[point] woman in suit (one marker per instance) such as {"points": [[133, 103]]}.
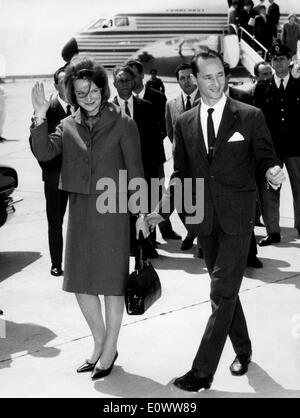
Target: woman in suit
{"points": [[96, 142]]}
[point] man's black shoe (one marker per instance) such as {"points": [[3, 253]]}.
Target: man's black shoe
{"points": [[171, 235], [56, 271], [254, 262], [193, 383], [270, 239], [2, 139], [187, 243], [239, 366], [1, 312]]}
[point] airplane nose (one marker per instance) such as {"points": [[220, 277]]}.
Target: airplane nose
{"points": [[70, 49]]}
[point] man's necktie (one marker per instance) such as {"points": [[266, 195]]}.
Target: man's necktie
{"points": [[211, 138], [68, 112], [127, 111], [281, 88], [188, 104]]}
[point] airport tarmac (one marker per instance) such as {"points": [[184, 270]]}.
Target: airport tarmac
{"points": [[47, 338]]}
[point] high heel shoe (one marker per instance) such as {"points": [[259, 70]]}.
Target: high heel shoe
{"points": [[98, 373], [86, 367]]}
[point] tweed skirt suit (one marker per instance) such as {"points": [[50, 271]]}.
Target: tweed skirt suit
{"points": [[97, 244]]}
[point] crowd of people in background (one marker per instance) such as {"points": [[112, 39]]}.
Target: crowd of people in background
{"points": [[261, 22]]}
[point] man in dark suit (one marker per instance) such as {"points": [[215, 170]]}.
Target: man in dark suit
{"points": [[158, 100], [274, 16], [279, 99], [221, 141], [245, 97], [56, 199], [141, 111]]}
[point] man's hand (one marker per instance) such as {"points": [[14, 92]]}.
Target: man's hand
{"points": [[275, 175], [154, 219], [142, 226]]}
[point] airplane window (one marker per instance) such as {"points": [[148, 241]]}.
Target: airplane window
{"points": [[121, 21], [97, 25], [107, 23]]}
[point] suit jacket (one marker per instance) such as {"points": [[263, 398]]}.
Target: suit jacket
{"points": [[241, 95], [159, 103], [282, 117], [174, 108], [229, 181], [51, 169], [273, 14], [111, 146], [263, 31], [143, 116]]}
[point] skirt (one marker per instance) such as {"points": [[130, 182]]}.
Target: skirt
{"points": [[97, 249]]}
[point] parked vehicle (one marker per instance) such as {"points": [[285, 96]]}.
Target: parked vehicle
{"points": [[8, 183]]}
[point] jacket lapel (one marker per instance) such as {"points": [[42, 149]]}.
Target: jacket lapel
{"points": [[227, 125], [197, 133]]}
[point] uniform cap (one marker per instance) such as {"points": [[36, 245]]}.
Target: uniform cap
{"points": [[277, 50]]}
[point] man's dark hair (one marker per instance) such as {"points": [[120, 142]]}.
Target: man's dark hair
{"points": [[125, 69], [57, 72], [227, 70], [205, 56], [256, 67], [181, 67], [137, 64]]}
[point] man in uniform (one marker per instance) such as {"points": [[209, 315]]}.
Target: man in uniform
{"points": [[279, 99]]}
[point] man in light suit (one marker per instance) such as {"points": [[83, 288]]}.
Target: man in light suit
{"points": [[56, 199], [184, 101], [221, 141]]}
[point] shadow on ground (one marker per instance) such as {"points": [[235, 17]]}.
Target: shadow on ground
{"points": [[12, 262], [26, 339], [128, 385]]}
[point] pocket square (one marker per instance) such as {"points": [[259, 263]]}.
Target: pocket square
{"points": [[236, 137]]}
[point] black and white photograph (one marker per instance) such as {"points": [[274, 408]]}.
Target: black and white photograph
{"points": [[149, 202]]}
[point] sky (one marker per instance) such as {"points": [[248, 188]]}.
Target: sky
{"points": [[33, 32]]}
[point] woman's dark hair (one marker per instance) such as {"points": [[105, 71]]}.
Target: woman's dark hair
{"points": [[204, 55], [85, 68]]}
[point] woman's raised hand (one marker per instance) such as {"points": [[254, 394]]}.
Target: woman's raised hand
{"points": [[39, 102]]}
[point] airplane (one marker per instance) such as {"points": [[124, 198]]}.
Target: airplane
{"points": [[112, 40]]}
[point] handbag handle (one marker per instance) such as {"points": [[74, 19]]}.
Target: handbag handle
{"points": [[140, 258]]}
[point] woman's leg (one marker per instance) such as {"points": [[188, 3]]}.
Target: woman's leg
{"points": [[114, 307], [90, 306]]}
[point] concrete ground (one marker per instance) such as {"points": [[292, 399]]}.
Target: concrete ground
{"points": [[47, 337]]}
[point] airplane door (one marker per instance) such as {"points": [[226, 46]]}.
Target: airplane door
{"points": [[231, 48]]}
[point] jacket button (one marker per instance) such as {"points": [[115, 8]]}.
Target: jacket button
{"points": [[212, 177]]}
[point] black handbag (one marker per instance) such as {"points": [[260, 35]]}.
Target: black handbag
{"points": [[143, 287]]}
